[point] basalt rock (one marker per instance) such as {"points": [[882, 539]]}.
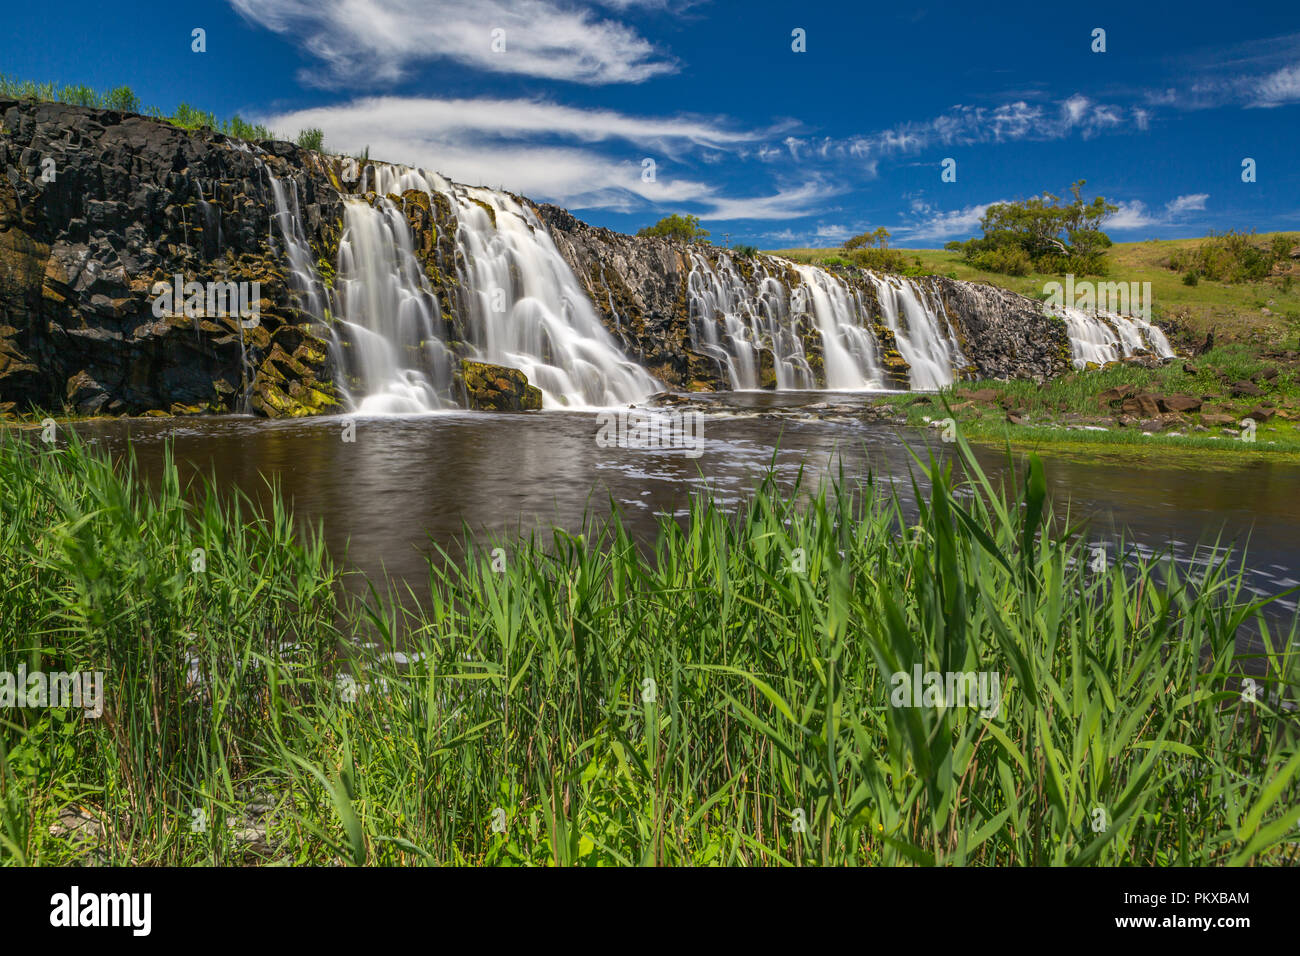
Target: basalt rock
{"points": [[95, 207], [640, 287]]}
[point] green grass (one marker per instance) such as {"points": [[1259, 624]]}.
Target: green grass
{"points": [[1236, 311], [1047, 407], [770, 636]]}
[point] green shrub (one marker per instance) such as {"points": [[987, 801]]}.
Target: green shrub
{"points": [[122, 99], [79, 96], [1231, 256], [1007, 260], [312, 139], [880, 260], [681, 228]]}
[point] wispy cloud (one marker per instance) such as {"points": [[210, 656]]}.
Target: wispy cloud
{"points": [[1278, 88], [380, 41], [586, 159], [1260, 74], [1135, 214], [925, 221], [970, 125]]}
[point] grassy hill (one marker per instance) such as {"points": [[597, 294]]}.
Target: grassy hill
{"points": [[1263, 314]]}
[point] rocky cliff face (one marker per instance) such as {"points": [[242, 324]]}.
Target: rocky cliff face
{"points": [[640, 286], [96, 207]]}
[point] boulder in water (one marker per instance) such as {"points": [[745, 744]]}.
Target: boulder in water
{"points": [[495, 388]]}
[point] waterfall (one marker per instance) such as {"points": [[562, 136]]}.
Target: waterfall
{"points": [[303, 279], [518, 303], [388, 321], [850, 355], [735, 320], [384, 317], [755, 316], [1100, 337], [921, 330], [523, 306]]}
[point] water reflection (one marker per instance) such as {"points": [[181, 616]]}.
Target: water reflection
{"points": [[407, 483]]}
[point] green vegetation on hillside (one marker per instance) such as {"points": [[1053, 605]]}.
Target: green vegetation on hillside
{"points": [[1234, 257], [1041, 235], [737, 695], [1262, 313], [1199, 404], [870, 250]]}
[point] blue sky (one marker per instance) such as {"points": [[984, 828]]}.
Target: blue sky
{"points": [[771, 146]]}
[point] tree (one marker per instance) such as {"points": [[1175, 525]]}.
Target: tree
{"points": [[684, 228], [868, 240], [1053, 237]]}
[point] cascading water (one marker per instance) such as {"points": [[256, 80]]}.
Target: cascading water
{"points": [[1100, 337], [849, 352], [384, 315], [522, 304], [755, 318], [735, 320], [388, 320], [921, 330]]}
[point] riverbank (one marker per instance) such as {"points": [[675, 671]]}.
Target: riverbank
{"points": [[729, 697], [1232, 400]]}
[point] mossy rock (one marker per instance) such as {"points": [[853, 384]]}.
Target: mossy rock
{"points": [[496, 388], [487, 208]]}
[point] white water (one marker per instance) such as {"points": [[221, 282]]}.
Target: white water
{"points": [[733, 320], [1103, 337], [388, 316], [524, 308], [921, 329], [850, 355], [755, 317]]}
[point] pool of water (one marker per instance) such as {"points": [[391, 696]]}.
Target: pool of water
{"points": [[405, 484]]}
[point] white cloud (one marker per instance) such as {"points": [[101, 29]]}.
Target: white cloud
{"points": [[927, 222], [380, 41], [836, 233], [1279, 88], [970, 125], [585, 159], [1182, 204], [785, 235], [1135, 214], [429, 119]]}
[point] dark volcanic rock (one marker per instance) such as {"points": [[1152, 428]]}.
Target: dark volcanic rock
{"points": [[95, 207], [130, 201], [640, 287]]}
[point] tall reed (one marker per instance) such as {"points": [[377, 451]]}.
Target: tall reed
{"points": [[727, 695]]}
